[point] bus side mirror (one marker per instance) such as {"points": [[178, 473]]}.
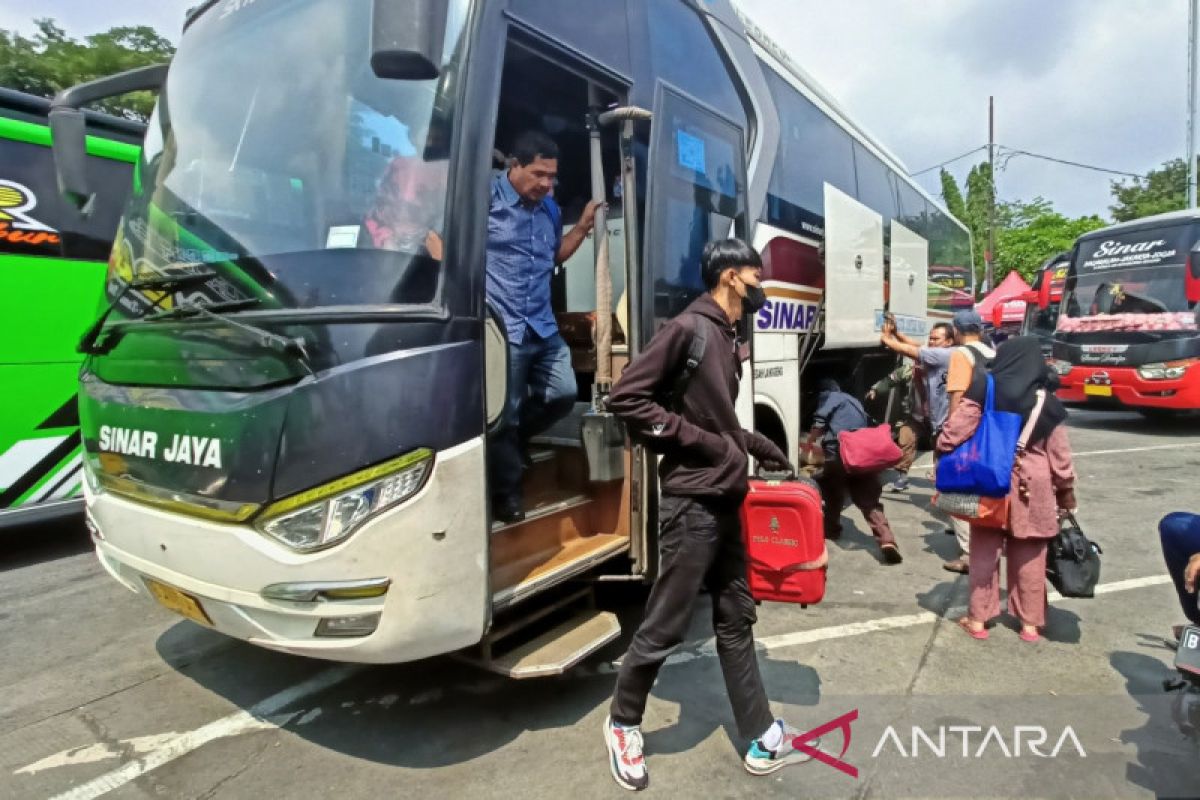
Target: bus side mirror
{"points": [[68, 131], [1043, 294], [68, 125], [407, 38], [1191, 278]]}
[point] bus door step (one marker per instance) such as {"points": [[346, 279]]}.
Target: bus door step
{"points": [[558, 649]]}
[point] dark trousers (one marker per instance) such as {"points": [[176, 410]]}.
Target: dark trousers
{"points": [[864, 491], [700, 543], [541, 391], [1180, 536]]}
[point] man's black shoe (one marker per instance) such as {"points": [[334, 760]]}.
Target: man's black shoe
{"points": [[507, 510]]}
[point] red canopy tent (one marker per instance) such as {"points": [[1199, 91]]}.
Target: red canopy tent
{"points": [[1013, 286]]}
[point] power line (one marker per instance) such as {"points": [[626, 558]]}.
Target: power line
{"points": [[951, 161], [1013, 152]]}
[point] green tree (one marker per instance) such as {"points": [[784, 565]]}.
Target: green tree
{"points": [[1029, 233], [1163, 189], [50, 61], [952, 197]]}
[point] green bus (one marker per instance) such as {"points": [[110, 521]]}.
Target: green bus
{"points": [[52, 267]]}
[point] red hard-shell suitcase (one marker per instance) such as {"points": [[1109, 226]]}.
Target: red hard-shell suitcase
{"points": [[785, 541]]}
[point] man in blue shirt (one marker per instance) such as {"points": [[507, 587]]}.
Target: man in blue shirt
{"points": [[525, 241]]}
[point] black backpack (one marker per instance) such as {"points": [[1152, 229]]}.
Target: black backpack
{"points": [[672, 398], [1073, 561]]}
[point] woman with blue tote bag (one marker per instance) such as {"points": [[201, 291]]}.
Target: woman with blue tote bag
{"points": [[1042, 486]]}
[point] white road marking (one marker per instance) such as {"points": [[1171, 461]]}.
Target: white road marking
{"points": [[168, 747], [924, 464], [708, 647], [1121, 586], [1179, 446], [842, 631], [253, 718]]}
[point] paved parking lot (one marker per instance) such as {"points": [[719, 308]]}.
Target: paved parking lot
{"points": [[104, 695]]}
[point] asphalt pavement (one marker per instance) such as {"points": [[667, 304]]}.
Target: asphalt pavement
{"points": [[104, 695]]}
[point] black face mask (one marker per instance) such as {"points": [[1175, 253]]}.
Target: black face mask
{"points": [[755, 298]]}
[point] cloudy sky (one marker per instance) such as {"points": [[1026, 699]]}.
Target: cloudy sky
{"points": [[1102, 82]]}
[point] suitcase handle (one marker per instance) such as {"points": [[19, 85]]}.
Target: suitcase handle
{"points": [[764, 474]]}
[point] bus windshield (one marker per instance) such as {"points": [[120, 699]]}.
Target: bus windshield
{"points": [[1131, 282], [279, 160]]}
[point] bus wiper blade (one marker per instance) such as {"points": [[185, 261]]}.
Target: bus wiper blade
{"points": [[291, 346], [194, 309], [89, 344]]}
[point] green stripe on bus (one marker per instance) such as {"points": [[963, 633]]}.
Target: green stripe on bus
{"points": [[33, 133], [55, 473]]}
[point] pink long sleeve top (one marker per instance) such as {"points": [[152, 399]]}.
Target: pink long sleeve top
{"points": [[1046, 467]]}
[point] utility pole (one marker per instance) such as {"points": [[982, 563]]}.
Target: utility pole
{"points": [[1193, 34], [990, 256]]}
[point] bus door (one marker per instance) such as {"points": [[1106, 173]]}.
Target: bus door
{"points": [[907, 296], [853, 272], [696, 194]]}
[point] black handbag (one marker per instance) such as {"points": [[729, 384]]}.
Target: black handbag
{"points": [[1073, 561]]}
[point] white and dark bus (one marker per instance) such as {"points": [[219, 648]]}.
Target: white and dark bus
{"points": [[286, 415]]}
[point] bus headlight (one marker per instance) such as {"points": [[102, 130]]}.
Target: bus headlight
{"points": [[325, 515], [90, 478], [1060, 367], [1169, 371]]}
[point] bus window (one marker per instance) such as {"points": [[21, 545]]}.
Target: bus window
{"points": [[697, 194], [876, 186], [813, 151], [685, 56]]}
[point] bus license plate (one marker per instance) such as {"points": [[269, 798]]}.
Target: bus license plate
{"points": [[181, 603], [1097, 391]]}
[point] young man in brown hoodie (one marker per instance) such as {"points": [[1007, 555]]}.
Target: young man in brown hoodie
{"points": [[703, 478]]}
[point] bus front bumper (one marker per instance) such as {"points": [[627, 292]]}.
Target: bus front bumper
{"points": [[429, 554], [1123, 386]]}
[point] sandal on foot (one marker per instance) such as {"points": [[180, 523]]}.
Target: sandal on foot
{"points": [[957, 565], [1030, 636], [965, 624]]}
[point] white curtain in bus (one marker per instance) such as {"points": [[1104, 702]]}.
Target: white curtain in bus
{"points": [[853, 272], [908, 299]]}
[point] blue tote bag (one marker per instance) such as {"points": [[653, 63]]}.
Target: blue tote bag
{"points": [[983, 464]]}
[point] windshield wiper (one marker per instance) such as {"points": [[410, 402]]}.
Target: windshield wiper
{"points": [[89, 343], [296, 346]]}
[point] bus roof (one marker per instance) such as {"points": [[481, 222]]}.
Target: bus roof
{"points": [[838, 114], [1155, 221]]}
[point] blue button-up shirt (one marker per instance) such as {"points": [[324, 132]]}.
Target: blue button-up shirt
{"points": [[523, 241]]}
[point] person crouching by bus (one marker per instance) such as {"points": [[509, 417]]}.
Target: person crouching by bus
{"points": [[837, 412], [703, 477], [525, 241], [1043, 488]]}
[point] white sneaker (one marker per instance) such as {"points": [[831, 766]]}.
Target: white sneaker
{"points": [[762, 760], [625, 756]]}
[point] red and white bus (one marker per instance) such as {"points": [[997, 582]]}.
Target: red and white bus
{"points": [[1126, 331]]}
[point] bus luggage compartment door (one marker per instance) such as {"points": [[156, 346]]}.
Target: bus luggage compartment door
{"points": [[853, 272], [907, 291]]}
